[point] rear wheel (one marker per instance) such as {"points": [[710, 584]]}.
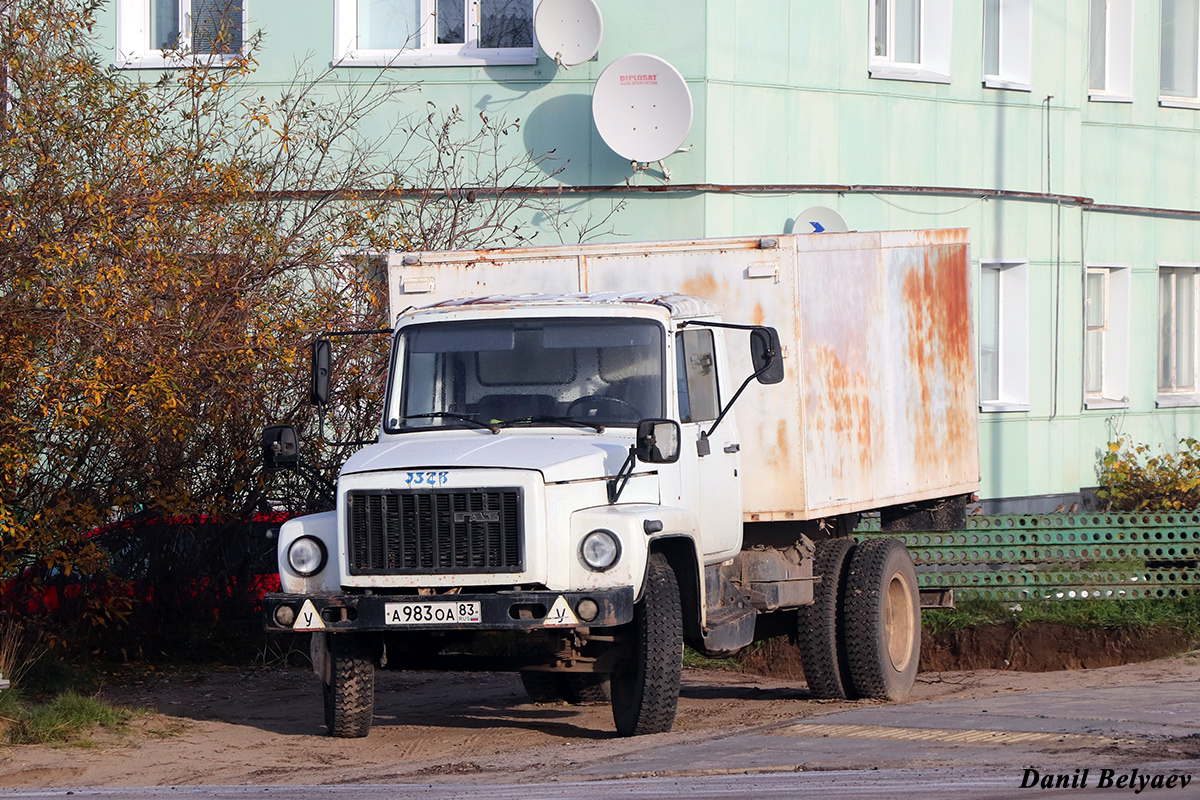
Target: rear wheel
{"points": [[542, 687], [578, 689], [645, 682], [586, 689], [882, 620], [350, 693], [818, 626]]}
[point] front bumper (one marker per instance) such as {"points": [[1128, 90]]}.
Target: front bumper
{"points": [[497, 611]]}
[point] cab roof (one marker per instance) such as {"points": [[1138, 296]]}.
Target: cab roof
{"points": [[680, 306]]}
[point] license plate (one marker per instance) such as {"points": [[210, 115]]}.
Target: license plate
{"points": [[455, 612]]}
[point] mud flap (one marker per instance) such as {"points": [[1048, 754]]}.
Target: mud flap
{"points": [[730, 623]]}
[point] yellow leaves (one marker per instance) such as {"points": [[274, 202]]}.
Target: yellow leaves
{"points": [[161, 311], [1133, 480]]}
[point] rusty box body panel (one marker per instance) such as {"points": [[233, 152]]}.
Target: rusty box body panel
{"points": [[879, 406]]}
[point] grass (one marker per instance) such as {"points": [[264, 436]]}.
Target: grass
{"points": [[68, 715], [67, 718], [1182, 614], [695, 660]]}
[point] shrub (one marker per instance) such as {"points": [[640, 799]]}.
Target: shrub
{"points": [[1135, 478]]}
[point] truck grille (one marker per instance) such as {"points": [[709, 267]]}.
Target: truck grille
{"points": [[435, 533]]}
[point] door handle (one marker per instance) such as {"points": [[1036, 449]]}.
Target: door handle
{"points": [[732, 448]]}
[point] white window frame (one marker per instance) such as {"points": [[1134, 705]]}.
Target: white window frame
{"points": [[1012, 336], [1116, 44], [933, 65], [1169, 396], [1015, 47], [133, 39], [425, 52], [1114, 331], [1177, 101]]}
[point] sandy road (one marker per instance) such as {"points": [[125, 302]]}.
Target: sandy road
{"points": [[264, 727]]}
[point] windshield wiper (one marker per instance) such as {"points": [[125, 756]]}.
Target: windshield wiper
{"points": [[565, 420], [452, 415]]}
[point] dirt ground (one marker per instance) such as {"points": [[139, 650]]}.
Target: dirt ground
{"points": [[265, 725]]}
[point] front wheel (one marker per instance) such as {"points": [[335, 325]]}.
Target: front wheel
{"points": [[882, 620], [350, 693], [645, 682]]}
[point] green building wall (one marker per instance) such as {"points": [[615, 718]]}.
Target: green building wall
{"points": [[782, 96]]}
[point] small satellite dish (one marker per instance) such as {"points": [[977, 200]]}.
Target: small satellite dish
{"points": [[642, 107], [820, 219], [569, 30]]}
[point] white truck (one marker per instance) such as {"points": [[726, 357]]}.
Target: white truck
{"points": [[591, 455]]}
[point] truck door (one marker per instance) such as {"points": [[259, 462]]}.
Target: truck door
{"points": [[714, 478]]}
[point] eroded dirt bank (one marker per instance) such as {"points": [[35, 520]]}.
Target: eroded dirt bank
{"points": [[1034, 647]]}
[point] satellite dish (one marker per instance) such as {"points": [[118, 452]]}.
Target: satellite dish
{"points": [[820, 219], [642, 107], [569, 30]]}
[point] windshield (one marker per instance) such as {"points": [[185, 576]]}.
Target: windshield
{"points": [[588, 373]]}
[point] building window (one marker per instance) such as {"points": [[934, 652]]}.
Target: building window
{"points": [[1110, 51], [1178, 57], [433, 32], [1106, 337], [1007, 44], [1004, 335], [159, 33], [1177, 306], [910, 40]]}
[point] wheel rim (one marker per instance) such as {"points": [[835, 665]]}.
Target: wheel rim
{"points": [[900, 622]]}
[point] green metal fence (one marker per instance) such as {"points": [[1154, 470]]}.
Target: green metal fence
{"points": [[1018, 557]]}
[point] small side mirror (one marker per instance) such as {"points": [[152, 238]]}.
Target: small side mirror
{"points": [[281, 447], [321, 363], [766, 355], [658, 441]]}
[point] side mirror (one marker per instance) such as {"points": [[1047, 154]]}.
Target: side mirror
{"points": [[766, 355], [657, 441], [321, 362], [281, 447]]}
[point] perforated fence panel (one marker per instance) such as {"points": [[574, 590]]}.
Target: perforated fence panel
{"points": [[1015, 557]]}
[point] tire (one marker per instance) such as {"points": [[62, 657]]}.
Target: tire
{"points": [[542, 687], [645, 681], [586, 689], [350, 694], [577, 689], [819, 635], [882, 620]]}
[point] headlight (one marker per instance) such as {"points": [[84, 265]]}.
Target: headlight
{"points": [[600, 550], [306, 556]]}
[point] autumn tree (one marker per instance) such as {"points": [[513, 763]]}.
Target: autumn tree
{"points": [[167, 249]]}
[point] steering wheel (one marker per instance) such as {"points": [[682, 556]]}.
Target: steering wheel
{"points": [[603, 407]]}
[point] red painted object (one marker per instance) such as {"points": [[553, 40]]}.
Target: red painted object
{"points": [[194, 565]]}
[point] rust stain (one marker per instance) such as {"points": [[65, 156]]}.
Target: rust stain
{"points": [[938, 309], [944, 236], [780, 455], [759, 315], [845, 394], [705, 285]]}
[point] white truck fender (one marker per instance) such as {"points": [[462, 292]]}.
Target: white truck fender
{"points": [[324, 528]]}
